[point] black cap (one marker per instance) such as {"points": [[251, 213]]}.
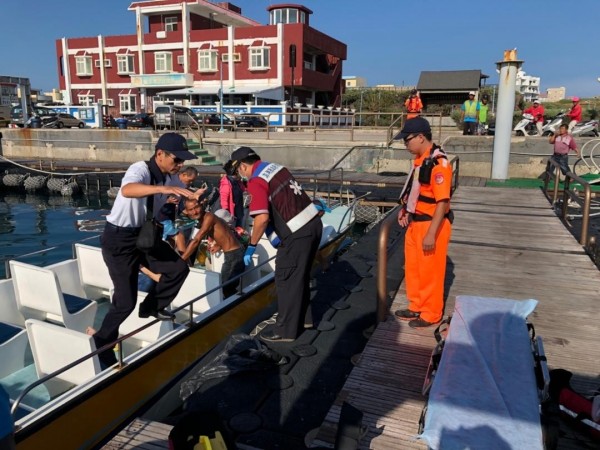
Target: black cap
{"points": [[414, 126], [175, 144], [240, 154]]}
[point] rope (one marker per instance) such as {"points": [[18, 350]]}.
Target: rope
{"points": [[66, 174]]}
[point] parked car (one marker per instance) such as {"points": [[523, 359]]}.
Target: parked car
{"points": [[174, 116], [62, 120], [16, 113], [213, 121], [245, 122], [142, 120]]}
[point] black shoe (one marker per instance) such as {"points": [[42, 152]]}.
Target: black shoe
{"points": [[420, 323], [407, 314], [163, 314], [272, 336]]}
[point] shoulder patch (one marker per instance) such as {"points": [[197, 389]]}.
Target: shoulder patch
{"points": [[439, 178]]}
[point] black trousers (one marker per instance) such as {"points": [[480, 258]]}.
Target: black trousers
{"points": [[293, 263], [232, 267], [123, 260]]}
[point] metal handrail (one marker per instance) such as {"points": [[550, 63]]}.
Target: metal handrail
{"points": [[574, 195], [382, 249]]}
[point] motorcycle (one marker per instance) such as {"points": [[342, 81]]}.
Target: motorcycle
{"points": [[526, 126], [586, 128], [551, 126]]}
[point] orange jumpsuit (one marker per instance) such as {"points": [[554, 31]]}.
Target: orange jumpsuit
{"points": [[425, 273], [413, 105]]}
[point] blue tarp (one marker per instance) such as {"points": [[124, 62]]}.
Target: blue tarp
{"points": [[484, 394]]}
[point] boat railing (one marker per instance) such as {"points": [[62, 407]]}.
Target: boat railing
{"points": [[383, 244], [118, 342]]}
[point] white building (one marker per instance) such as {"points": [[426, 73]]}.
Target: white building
{"points": [[528, 86]]}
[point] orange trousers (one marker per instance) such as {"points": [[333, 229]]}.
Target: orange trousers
{"points": [[424, 274]]}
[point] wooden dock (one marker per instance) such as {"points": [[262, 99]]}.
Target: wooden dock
{"points": [[141, 435], [505, 243]]}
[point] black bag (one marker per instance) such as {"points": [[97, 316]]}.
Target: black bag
{"points": [[151, 231], [150, 236]]}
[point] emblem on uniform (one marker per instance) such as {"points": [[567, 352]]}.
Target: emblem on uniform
{"points": [[295, 187], [439, 178]]}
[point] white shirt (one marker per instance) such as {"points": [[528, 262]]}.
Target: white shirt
{"points": [[131, 212]]}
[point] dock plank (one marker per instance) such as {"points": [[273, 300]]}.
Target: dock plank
{"points": [[505, 243]]}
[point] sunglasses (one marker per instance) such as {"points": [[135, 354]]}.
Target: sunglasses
{"points": [[176, 160], [408, 139]]}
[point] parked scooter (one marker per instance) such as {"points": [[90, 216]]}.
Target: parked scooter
{"points": [[586, 128], [526, 126], [552, 125]]}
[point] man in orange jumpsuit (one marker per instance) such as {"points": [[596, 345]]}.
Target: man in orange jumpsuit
{"points": [[426, 213], [413, 105]]}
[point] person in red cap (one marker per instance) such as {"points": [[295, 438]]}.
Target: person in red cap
{"points": [[145, 186], [574, 114], [426, 215], [537, 111]]}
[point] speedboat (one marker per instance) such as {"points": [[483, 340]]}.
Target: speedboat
{"points": [[61, 397]]}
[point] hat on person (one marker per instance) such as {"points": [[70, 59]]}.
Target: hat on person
{"points": [[412, 126], [575, 99], [240, 154], [175, 144], [537, 100], [225, 215], [321, 205], [472, 93]]}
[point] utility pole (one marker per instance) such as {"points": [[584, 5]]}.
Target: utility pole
{"points": [[221, 130]]}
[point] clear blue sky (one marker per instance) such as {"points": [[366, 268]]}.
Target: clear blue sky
{"points": [[389, 41]]}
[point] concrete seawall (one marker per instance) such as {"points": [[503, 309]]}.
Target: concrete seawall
{"points": [[528, 154]]}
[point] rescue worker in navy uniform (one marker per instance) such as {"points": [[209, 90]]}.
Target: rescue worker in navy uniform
{"points": [[123, 258], [426, 214], [280, 203]]}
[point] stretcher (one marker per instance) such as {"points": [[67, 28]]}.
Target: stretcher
{"points": [[487, 378]]}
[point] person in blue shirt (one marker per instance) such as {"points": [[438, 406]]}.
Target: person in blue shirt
{"points": [[469, 115]]}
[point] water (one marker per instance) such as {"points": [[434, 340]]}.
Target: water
{"points": [[34, 223]]}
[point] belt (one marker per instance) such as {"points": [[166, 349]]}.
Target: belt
{"points": [[427, 218], [110, 226]]}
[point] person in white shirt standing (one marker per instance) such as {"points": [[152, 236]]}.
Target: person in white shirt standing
{"points": [[123, 224]]}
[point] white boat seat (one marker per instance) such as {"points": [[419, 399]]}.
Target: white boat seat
{"points": [[93, 272], [13, 343], [39, 296], [9, 310], [146, 336], [54, 347], [197, 282]]}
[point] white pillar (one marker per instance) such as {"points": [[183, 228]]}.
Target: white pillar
{"points": [[102, 69], [504, 114], [67, 72]]}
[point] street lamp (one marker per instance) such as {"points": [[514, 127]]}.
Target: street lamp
{"points": [[221, 130]]}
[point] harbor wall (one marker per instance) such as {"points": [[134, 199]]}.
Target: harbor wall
{"points": [[122, 147]]}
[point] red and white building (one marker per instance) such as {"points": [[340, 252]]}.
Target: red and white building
{"points": [[187, 50]]}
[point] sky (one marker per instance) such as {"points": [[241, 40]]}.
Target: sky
{"points": [[389, 41]]}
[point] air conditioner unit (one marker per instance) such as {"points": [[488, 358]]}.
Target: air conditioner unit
{"points": [[180, 59], [110, 102], [96, 63], [107, 63], [161, 34], [236, 57]]}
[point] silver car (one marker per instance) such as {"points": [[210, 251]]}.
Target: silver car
{"points": [[62, 120]]}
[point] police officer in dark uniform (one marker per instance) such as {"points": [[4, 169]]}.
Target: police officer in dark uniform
{"points": [[280, 203]]}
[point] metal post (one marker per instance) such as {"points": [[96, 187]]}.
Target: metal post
{"points": [[360, 109], [24, 104], [221, 130], [506, 105]]}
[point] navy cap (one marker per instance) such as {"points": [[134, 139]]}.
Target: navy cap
{"points": [[240, 154], [414, 126], [175, 144]]}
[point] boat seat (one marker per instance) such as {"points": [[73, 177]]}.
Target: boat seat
{"points": [[93, 272], [13, 343], [197, 282], [146, 336], [54, 347], [39, 296], [9, 310]]}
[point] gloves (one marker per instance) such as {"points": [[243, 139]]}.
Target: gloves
{"points": [[248, 255]]}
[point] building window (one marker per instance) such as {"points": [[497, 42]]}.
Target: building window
{"points": [[259, 58], [163, 62], [171, 23], [207, 60], [127, 104], [287, 15], [83, 65], [86, 114], [86, 100], [125, 64]]}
